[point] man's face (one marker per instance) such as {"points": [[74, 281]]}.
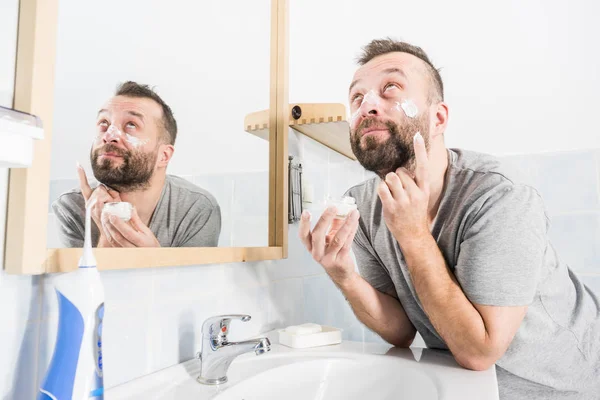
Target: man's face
{"points": [[125, 149], [389, 105]]}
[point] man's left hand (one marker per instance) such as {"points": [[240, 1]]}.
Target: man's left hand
{"points": [[128, 234], [405, 199]]}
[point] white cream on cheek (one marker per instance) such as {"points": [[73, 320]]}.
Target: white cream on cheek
{"points": [[409, 107], [134, 141], [114, 133]]}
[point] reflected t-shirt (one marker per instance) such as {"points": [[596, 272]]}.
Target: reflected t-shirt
{"points": [[185, 216]]}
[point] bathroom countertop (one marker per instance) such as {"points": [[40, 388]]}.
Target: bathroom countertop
{"points": [[452, 381]]}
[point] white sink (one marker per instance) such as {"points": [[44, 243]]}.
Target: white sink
{"points": [[335, 378], [347, 371]]}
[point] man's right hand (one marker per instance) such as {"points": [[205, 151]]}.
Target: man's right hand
{"points": [[101, 195], [331, 250]]}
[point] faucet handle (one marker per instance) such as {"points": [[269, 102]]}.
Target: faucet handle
{"points": [[218, 326]]}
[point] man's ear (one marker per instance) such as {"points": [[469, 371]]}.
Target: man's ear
{"points": [[440, 120], [165, 153]]}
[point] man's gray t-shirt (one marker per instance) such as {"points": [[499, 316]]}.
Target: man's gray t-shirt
{"points": [[185, 216], [493, 233]]}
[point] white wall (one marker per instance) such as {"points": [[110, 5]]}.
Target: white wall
{"points": [[520, 76], [208, 60], [9, 10]]}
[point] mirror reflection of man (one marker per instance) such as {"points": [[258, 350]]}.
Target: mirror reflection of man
{"points": [[134, 142]]}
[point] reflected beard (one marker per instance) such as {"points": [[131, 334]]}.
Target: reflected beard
{"points": [[383, 157], [133, 174]]}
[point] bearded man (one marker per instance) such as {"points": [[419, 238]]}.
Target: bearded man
{"points": [[133, 143], [450, 244]]}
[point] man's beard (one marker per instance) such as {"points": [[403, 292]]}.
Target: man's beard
{"points": [[384, 156], [134, 173]]}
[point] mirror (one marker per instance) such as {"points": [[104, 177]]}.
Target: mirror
{"points": [[120, 67]]}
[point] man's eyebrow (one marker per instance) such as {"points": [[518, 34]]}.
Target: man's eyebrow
{"points": [[385, 71], [353, 84], [394, 71], [136, 114], [102, 111]]}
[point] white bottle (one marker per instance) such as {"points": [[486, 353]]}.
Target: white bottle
{"points": [[75, 372]]}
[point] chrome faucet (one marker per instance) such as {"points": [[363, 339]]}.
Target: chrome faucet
{"points": [[217, 352]]}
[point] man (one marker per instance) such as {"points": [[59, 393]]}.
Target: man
{"points": [[449, 245], [135, 138]]}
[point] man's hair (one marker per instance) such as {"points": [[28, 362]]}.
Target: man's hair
{"points": [[134, 89], [379, 47]]}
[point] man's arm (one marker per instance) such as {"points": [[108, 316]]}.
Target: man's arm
{"points": [[380, 312], [69, 233], [499, 263], [477, 335]]}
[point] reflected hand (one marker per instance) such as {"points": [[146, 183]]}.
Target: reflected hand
{"points": [[101, 195], [331, 250], [128, 234]]}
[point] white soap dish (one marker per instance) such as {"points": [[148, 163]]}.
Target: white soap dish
{"points": [[327, 336]]}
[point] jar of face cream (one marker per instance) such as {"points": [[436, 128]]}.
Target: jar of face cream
{"points": [[121, 209], [343, 205]]}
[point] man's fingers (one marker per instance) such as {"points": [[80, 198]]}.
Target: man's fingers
{"points": [[116, 236], [348, 246], [320, 231], [422, 162], [341, 237], [136, 222], [114, 195], [124, 229], [384, 193], [395, 185], [304, 230], [86, 190], [408, 182], [104, 227], [101, 197]]}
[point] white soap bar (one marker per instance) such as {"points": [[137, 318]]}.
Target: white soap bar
{"points": [[304, 329], [327, 336]]}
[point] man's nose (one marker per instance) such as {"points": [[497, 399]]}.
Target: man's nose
{"points": [[112, 135], [370, 109]]}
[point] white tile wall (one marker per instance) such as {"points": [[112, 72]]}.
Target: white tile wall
{"points": [[154, 316], [20, 305]]}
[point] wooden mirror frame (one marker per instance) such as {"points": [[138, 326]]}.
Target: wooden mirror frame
{"points": [[27, 215]]}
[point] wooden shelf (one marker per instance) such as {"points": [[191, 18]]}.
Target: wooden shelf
{"points": [[324, 122]]}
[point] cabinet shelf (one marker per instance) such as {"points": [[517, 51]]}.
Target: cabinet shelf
{"points": [[324, 122]]}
